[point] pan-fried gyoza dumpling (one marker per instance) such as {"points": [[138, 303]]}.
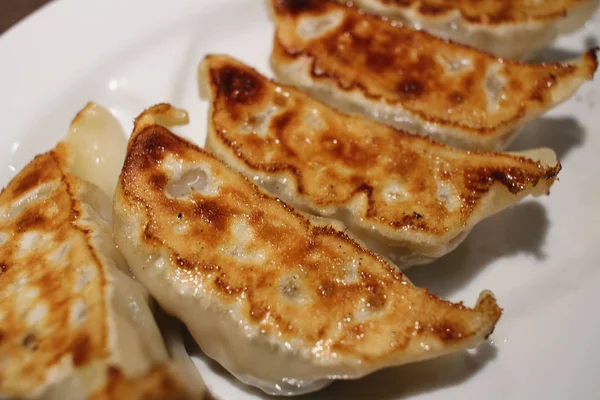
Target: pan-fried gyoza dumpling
{"points": [[73, 324], [515, 29], [405, 196], [413, 81], [284, 301]]}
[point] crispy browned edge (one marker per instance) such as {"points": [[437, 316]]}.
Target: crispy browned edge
{"points": [[590, 59], [152, 141], [247, 92], [159, 383], [20, 185], [494, 20]]}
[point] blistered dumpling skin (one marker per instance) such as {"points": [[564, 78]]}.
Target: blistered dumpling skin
{"points": [[284, 301], [73, 323], [515, 29], [405, 196], [413, 81]]}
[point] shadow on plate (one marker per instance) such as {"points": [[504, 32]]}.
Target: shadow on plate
{"points": [[519, 229], [560, 134], [557, 54], [389, 384], [591, 42], [411, 380]]}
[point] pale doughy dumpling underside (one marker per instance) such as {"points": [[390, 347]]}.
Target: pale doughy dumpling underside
{"points": [[284, 301], [97, 146], [412, 80], [406, 197]]}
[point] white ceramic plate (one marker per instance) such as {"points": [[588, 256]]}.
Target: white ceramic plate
{"points": [[541, 258]]}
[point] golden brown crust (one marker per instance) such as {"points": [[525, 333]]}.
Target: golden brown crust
{"points": [[159, 383], [289, 276], [408, 183], [43, 254], [434, 81], [488, 12]]}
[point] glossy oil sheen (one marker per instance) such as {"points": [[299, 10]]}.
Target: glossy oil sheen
{"points": [[540, 258]]}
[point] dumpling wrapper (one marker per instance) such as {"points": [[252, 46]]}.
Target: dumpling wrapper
{"points": [[405, 196], [515, 29], [97, 146], [412, 80], [285, 302], [73, 323]]}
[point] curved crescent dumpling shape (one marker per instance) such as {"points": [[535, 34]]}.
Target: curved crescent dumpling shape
{"points": [[73, 323], [516, 29], [284, 301], [412, 80], [405, 196]]}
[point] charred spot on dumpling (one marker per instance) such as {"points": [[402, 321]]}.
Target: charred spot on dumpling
{"points": [[410, 88], [379, 61], [155, 145], [237, 85], [212, 212], [456, 98], [81, 349], [225, 286], [432, 9], [29, 182], [326, 288], [377, 299], [159, 180], [31, 219], [479, 180], [298, 6], [258, 311], [282, 121], [448, 331], [332, 144], [30, 341]]}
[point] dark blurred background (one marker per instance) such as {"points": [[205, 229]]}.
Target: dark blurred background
{"points": [[12, 11]]}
